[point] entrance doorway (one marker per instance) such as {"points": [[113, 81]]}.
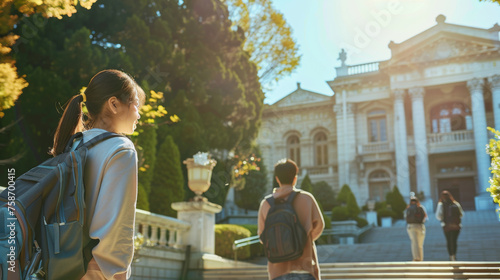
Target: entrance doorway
{"points": [[462, 189]]}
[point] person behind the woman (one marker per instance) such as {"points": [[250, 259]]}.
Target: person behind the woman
{"points": [[450, 213], [416, 215], [112, 99]]}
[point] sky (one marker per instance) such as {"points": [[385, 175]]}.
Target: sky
{"points": [[364, 29]]}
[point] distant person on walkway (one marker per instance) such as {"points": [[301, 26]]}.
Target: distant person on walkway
{"points": [[416, 215], [305, 267], [450, 213]]}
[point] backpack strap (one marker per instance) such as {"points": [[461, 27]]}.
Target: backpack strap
{"points": [[91, 143], [289, 200], [72, 140], [101, 137]]}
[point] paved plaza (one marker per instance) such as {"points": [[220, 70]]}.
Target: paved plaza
{"points": [[478, 241]]}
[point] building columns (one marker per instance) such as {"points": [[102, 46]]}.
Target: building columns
{"points": [[421, 154], [495, 92], [483, 200], [402, 168], [346, 141]]}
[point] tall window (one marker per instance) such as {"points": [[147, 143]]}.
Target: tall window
{"points": [[293, 147], [320, 149], [379, 184], [377, 126], [449, 117]]}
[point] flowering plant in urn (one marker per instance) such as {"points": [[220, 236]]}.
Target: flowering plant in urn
{"points": [[199, 173]]}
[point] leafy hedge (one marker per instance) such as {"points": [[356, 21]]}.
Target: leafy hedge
{"points": [[225, 235]]}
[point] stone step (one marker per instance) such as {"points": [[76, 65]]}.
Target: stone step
{"points": [[378, 270]]}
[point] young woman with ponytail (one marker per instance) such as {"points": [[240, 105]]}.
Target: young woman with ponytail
{"points": [[112, 99]]}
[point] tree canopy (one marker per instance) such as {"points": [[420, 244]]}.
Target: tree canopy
{"points": [[186, 50], [17, 13], [268, 38]]}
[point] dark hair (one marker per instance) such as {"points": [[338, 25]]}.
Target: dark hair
{"points": [[446, 197], [286, 170], [102, 86]]}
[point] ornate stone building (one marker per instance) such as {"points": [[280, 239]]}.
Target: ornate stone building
{"points": [[417, 120]]}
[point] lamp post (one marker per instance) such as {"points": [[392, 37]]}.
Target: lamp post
{"points": [[199, 174]]}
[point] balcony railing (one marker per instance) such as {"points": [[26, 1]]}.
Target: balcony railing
{"points": [[358, 69], [319, 170], [451, 137], [377, 147], [157, 228]]}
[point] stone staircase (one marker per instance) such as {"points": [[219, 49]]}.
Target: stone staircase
{"points": [[384, 253], [378, 270]]}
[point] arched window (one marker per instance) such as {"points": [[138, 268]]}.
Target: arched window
{"points": [[377, 126], [379, 184], [293, 148], [450, 116], [320, 149]]}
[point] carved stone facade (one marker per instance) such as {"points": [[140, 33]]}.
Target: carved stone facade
{"points": [[417, 120]]}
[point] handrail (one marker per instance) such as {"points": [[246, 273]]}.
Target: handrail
{"points": [[244, 242]]}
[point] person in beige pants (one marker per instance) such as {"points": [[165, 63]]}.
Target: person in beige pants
{"points": [[416, 229]]}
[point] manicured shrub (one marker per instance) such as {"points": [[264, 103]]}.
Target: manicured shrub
{"points": [[306, 184], [362, 222], [225, 235], [324, 193], [397, 202], [352, 206], [344, 193], [340, 213]]}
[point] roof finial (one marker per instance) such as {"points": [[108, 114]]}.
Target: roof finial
{"points": [[440, 19]]}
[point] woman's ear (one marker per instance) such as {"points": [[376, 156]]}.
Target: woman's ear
{"points": [[112, 104]]}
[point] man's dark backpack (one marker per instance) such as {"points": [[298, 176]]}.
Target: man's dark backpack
{"points": [[414, 214], [284, 237], [451, 217], [42, 215]]}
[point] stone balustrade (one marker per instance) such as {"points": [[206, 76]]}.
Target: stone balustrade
{"points": [[377, 147], [451, 137], [161, 230]]}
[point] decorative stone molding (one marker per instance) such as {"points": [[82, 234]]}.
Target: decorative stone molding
{"points": [[338, 109], [495, 82], [416, 92], [475, 85], [398, 94]]}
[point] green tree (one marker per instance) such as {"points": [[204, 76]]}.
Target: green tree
{"points": [[268, 38], [306, 184], [255, 185], [15, 13], [397, 203], [344, 194], [185, 49], [352, 206], [324, 194], [146, 150], [167, 185]]}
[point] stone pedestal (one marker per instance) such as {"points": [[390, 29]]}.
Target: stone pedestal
{"points": [[371, 218], [484, 201], [201, 216], [386, 222]]}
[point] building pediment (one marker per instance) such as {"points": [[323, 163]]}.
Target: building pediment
{"points": [[445, 41], [301, 97], [443, 47]]}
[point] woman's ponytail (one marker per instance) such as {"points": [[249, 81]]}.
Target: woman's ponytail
{"points": [[70, 123]]}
